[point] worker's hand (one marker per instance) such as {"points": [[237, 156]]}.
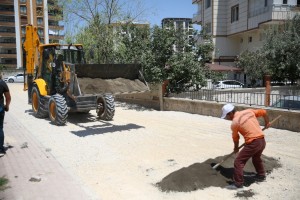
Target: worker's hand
{"points": [[6, 108], [267, 125], [236, 150]]}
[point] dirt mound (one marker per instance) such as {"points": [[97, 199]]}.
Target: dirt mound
{"points": [[114, 86], [201, 175]]}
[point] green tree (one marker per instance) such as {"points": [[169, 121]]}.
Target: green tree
{"points": [[281, 49], [93, 23], [181, 66], [254, 65]]}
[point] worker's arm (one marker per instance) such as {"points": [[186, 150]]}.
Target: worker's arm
{"points": [[7, 100], [236, 147], [263, 113], [235, 137], [267, 121]]}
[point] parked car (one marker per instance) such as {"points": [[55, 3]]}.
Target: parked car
{"points": [[227, 84], [288, 102], [18, 78]]}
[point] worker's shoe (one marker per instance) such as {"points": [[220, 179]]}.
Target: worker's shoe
{"points": [[2, 152], [259, 178], [233, 187]]}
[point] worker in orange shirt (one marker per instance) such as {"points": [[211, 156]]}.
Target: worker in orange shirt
{"points": [[245, 122]]}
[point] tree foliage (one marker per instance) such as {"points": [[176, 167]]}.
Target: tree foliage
{"points": [[279, 55], [110, 36], [254, 64], [282, 51]]}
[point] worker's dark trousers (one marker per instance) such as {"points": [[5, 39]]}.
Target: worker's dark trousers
{"points": [[2, 113], [254, 150]]}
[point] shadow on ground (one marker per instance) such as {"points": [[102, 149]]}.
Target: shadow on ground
{"points": [[201, 175], [102, 127]]}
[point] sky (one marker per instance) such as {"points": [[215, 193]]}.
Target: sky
{"points": [[168, 9]]}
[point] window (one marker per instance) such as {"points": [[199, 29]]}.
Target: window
{"points": [[40, 32], [23, 30], [207, 3], [266, 3], [23, 1], [284, 2], [23, 10], [40, 21], [235, 13], [249, 39]]}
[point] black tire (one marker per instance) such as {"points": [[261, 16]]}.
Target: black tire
{"points": [[11, 80], [38, 104], [58, 110], [106, 107]]}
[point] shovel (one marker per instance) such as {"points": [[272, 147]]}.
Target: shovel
{"points": [[228, 156]]}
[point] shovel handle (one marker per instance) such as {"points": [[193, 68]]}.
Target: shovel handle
{"points": [[228, 156]]}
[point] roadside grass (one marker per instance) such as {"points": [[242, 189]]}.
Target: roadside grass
{"points": [[3, 183]]}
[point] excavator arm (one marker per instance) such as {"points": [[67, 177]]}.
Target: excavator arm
{"points": [[31, 47]]}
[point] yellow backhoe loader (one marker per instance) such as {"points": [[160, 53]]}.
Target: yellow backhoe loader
{"points": [[58, 80]]}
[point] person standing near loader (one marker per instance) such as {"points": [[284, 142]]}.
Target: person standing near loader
{"points": [[4, 92], [245, 122]]}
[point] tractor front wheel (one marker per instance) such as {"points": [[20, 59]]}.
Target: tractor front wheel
{"points": [[106, 107]]}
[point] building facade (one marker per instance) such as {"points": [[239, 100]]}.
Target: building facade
{"points": [[184, 24], [240, 25], [15, 15]]}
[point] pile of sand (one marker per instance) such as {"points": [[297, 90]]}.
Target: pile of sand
{"points": [[113, 86], [201, 175]]}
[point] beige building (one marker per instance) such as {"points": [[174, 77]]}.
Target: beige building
{"points": [[239, 25], [14, 15], [184, 24]]}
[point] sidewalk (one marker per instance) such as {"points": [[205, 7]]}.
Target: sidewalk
{"points": [[32, 171]]}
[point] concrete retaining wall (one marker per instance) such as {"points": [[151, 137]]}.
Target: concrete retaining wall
{"points": [[290, 120]]}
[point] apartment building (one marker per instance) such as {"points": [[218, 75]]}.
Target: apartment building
{"points": [[239, 25], [184, 24], [14, 15]]}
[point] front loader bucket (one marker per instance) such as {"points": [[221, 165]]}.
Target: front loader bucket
{"points": [[110, 78]]}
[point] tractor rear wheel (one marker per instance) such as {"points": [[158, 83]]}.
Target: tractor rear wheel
{"points": [[58, 110], [38, 104], [106, 107]]}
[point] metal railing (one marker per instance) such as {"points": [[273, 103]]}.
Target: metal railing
{"points": [[247, 98]]}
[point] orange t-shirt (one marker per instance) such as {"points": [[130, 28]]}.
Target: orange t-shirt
{"points": [[246, 123]]}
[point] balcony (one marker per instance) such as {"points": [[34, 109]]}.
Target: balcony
{"points": [[56, 27], [269, 13], [7, 45], [8, 55], [24, 22], [7, 2], [56, 37], [7, 34], [196, 1], [197, 18], [283, 12], [7, 24]]}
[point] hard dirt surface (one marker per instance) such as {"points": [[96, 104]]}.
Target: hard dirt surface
{"points": [[141, 150]]}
